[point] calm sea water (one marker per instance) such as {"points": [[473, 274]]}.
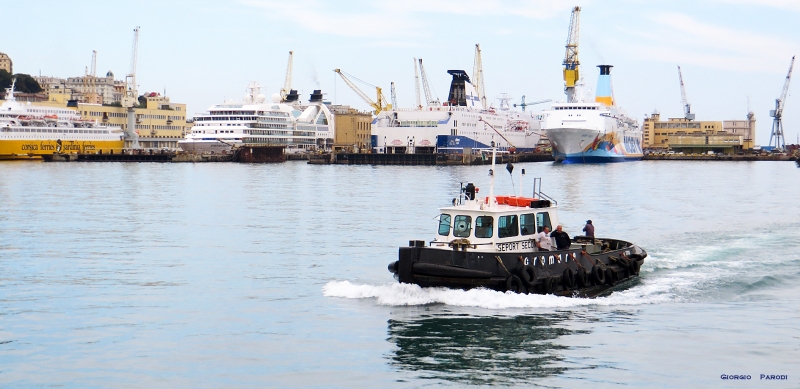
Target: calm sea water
{"points": [[231, 275]]}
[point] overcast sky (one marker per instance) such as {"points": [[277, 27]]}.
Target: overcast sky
{"points": [[203, 52]]}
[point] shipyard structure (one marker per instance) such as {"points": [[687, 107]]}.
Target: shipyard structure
{"points": [[691, 136]]}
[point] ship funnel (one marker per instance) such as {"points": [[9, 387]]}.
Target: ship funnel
{"points": [[604, 94], [462, 92], [292, 96], [316, 97]]}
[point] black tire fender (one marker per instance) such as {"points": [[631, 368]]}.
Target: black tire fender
{"points": [[568, 278], [581, 278], [514, 284], [528, 275], [599, 274]]}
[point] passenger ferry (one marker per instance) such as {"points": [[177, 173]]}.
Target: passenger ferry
{"points": [[455, 125], [584, 132], [31, 131], [226, 126], [490, 242]]}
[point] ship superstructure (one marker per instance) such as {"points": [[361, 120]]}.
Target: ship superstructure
{"points": [[31, 131]]}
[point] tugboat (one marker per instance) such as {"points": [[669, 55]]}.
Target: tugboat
{"points": [[490, 243]]}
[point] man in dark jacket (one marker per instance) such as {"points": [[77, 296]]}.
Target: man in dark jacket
{"points": [[561, 238], [589, 229]]}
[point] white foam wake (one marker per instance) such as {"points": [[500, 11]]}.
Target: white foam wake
{"points": [[395, 294]]}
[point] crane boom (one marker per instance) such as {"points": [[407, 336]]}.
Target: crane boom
{"points": [[416, 85], [477, 76], [429, 100], [571, 63], [777, 113], [687, 108], [287, 83], [131, 99], [379, 105], [394, 96]]}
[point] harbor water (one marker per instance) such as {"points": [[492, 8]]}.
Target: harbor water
{"points": [[132, 275]]}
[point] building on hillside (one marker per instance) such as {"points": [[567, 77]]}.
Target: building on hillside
{"points": [[85, 89], [6, 64], [353, 129], [698, 137], [160, 125]]}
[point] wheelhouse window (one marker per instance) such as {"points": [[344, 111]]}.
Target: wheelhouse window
{"points": [[462, 226], [444, 224], [507, 226], [527, 223], [543, 220], [484, 226]]}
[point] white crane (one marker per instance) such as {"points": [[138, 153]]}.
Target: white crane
{"points": [[379, 104], [477, 76], [416, 85], [287, 83], [687, 108], [131, 99], [394, 96], [777, 113], [429, 99]]}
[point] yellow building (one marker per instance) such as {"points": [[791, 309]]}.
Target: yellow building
{"points": [[6, 64], [697, 137], [162, 124], [353, 129]]}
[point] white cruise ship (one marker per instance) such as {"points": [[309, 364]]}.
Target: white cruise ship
{"points": [[455, 125], [299, 127], [584, 132]]}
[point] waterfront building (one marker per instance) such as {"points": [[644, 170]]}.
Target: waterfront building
{"points": [[6, 63], [85, 89], [160, 124], [353, 129], [698, 137]]}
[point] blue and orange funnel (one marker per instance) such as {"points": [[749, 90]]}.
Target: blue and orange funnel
{"points": [[604, 94]]}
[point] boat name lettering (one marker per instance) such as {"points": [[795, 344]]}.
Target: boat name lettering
{"points": [[552, 259], [47, 146], [72, 147], [88, 147], [30, 147], [508, 246], [527, 260]]}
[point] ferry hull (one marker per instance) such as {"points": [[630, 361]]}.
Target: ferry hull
{"points": [[578, 145], [569, 272], [12, 149], [207, 146]]}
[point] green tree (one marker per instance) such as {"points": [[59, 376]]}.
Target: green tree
{"points": [[25, 83]]}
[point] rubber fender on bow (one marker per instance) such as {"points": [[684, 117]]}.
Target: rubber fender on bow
{"points": [[568, 278], [599, 274], [611, 277], [514, 284], [581, 278], [528, 275]]}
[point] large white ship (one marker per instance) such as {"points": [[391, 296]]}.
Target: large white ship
{"points": [[299, 127], [31, 131], [584, 132], [455, 125]]}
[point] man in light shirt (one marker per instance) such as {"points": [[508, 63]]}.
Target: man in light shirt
{"points": [[543, 241]]}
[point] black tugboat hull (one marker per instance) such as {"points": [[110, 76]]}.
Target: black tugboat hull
{"points": [[464, 269]]}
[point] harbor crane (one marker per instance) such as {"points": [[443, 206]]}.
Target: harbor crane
{"points": [[523, 104], [90, 82], [687, 108], [131, 99], [571, 63], [477, 76], [416, 85], [378, 105], [777, 113], [429, 99], [287, 83]]}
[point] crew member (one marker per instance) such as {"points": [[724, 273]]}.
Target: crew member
{"points": [[543, 241], [589, 229], [562, 238]]}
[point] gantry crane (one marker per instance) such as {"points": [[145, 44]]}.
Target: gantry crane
{"points": [[477, 76], [287, 83], [131, 99], [687, 108], [429, 99], [777, 113], [416, 85], [571, 63], [378, 105]]}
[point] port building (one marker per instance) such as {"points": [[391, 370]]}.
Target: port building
{"points": [[6, 63], [353, 129], [697, 136]]}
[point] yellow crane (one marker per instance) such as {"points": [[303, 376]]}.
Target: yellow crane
{"points": [[571, 75], [380, 103]]}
